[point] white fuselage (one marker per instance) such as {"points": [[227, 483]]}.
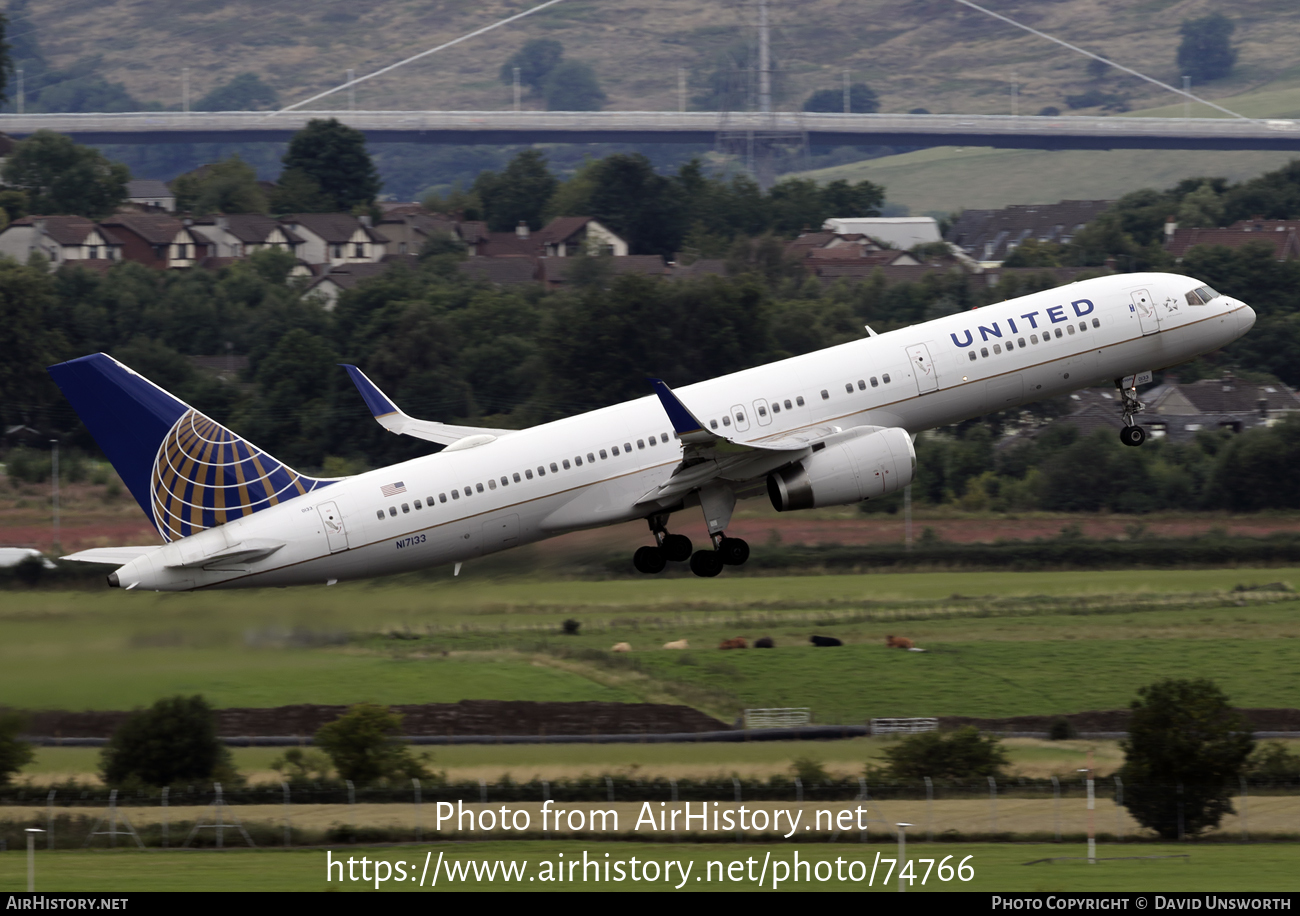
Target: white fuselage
{"points": [[520, 490]]}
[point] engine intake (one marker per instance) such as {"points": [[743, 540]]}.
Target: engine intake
{"points": [[853, 466]]}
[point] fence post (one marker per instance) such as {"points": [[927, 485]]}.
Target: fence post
{"points": [[1119, 808], [1245, 819], [993, 805], [735, 782], [1056, 806], [798, 789], [419, 825], [218, 803], [288, 825], [929, 809], [49, 820], [862, 794], [165, 794], [1180, 811], [112, 818], [482, 791], [609, 787]]}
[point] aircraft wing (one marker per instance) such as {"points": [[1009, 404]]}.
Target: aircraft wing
{"points": [[394, 420], [710, 456], [114, 556]]}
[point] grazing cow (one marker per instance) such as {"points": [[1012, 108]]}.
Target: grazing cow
{"points": [[764, 642], [677, 644], [899, 642], [621, 647], [738, 643], [824, 641]]}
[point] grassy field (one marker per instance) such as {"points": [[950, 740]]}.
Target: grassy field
{"points": [[996, 867], [999, 644]]}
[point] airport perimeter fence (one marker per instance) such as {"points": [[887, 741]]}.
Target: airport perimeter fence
{"points": [[308, 814]]}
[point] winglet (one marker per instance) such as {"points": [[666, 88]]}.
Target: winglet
{"points": [[684, 422], [375, 399]]}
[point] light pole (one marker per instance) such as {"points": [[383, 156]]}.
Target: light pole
{"points": [[902, 853], [31, 857], [1092, 835]]}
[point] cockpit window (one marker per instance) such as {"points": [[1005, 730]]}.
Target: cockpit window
{"points": [[1201, 296]]}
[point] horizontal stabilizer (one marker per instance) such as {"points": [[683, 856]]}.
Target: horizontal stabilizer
{"points": [[112, 556], [391, 418]]}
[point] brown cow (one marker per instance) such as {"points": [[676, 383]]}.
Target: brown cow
{"points": [[737, 643], [898, 642]]}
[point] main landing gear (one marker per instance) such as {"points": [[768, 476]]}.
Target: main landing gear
{"points": [[677, 547], [1131, 434]]}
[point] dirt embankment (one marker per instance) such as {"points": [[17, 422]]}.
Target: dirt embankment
{"points": [[501, 717], [468, 717]]}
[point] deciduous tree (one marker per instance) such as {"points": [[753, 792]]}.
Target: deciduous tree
{"points": [[334, 156], [173, 741], [65, 178], [1206, 52]]}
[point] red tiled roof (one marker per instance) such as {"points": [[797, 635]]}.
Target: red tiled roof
{"points": [[154, 228], [1283, 244], [561, 228]]}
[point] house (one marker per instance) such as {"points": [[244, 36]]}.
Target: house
{"points": [[336, 238], [890, 231], [241, 234], [989, 236], [406, 228], [566, 236], [1281, 236], [157, 240], [61, 239], [336, 280], [150, 192]]}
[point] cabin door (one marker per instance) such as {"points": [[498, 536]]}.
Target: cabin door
{"points": [[332, 521], [927, 379], [1148, 317]]}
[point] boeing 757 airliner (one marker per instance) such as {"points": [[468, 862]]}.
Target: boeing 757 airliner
{"points": [[827, 428]]}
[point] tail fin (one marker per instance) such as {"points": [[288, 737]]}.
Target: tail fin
{"points": [[186, 471]]}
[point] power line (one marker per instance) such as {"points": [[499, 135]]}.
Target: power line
{"points": [[413, 58], [1104, 60]]}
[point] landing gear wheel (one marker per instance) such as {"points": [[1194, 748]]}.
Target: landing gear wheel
{"points": [[733, 551], [676, 547], [649, 560], [1133, 435], [706, 563]]}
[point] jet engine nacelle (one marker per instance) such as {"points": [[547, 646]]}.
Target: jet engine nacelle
{"points": [[847, 468]]}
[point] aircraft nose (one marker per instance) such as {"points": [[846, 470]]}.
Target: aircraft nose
{"points": [[1245, 319]]}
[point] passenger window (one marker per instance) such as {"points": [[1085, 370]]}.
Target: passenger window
{"points": [[417, 504], [429, 500], [826, 395], [406, 509], [380, 514], [442, 497], [505, 481], [726, 421], [392, 510], [554, 468], [876, 384], [1069, 328], [1010, 346], [849, 388], [515, 475], [1083, 325], [614, 449], [997, 348], [787, 404], [885, 378], [528, 474], [577, 459], [541, 471], [984, 352], [663, 437], [640, 443], [799, 400], [627, 447], [492, 484], [565, 463], [713, 424], [1096, 322], [740, 416], [603, 456], [1021, 341], [971, 354], [776, 408], [591, 458], [1058, 332], [1033, 338], [762, 411], [455, 494]]}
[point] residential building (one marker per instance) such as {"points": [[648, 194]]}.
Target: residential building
{"points": [[1280, 236], [150, 192], [336, 238], [61, 239], [241, 234], [407, 227], [989, 236], [158, 240], [889, 231]]}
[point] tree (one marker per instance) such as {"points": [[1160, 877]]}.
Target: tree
{"points": [[362, 748], [14, 754], [245, 92], [298, 192], [334, 156], [639, 205], [572, 86], [862, 100], [535, 61], [963, 754], [1185, 751], [228, 186], [518, 194], [64, 178], [173, 741], [1206, 52]]}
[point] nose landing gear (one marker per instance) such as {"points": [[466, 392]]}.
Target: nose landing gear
{"points": [[1132, 434]]}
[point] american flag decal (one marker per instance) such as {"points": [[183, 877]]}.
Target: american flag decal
{"points": [[392, 489]]}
